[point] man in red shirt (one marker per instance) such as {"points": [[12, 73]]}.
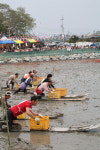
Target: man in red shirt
{"points": [[25, 106]]}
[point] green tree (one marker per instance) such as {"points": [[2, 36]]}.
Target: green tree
{"points": [[73, 39], [15, 22], [3, 13]]}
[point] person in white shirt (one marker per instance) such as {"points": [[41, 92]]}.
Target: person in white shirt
{"points": [[11, 80], [44, 87]]}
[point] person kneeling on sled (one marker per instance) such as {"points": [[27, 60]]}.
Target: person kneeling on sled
{"points": [[23, 86], [25, 106], [44, 87]]}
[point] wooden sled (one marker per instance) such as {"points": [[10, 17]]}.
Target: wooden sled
{"points": [[68, 98], [75, 128], [86, 128], [65, 130], [18, 128]]}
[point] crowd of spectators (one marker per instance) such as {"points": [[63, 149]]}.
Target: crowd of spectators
{"points": [[43, 46]]}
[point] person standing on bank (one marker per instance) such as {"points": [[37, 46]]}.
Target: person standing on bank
{"points": [[25, 106], [11, 80]]}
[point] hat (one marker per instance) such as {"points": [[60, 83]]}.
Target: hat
{"points": [[8, 93]]}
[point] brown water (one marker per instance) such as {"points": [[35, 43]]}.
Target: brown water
{"points": [[79, 77]]}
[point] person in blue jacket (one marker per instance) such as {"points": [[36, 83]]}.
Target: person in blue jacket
{"points": [[23, 85]]}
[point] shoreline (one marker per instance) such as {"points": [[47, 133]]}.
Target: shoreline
{"points": [[51, 58]]}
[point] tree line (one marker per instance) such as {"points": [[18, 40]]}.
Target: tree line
{"points": [[15, 22]]}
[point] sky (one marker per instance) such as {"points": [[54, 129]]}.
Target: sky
{"points": [[81, 17]]}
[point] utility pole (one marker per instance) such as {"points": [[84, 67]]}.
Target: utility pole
{"points": [[62, 27]]}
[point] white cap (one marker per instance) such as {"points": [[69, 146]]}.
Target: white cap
{"points": [[8, 93]]}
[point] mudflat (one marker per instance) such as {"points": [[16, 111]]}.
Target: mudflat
{"points": [[79, 77]]}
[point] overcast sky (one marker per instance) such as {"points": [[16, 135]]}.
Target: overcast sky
{"points": [[80, 16]]}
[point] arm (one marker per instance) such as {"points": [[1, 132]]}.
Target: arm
{"points": [[14, 79], [7, 81], [31, 113], [8, 106], [25, 76], [3, 102], [51, 86]]}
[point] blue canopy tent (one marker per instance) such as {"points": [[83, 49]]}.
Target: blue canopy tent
{"points": [[97, 45], [93, 44], [7, 42]]}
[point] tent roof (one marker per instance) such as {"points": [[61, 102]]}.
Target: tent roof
{"points": [[7, 42], [31, 40], [18, 41]]}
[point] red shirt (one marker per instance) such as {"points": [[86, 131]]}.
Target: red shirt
{"points": [[21, 107]]}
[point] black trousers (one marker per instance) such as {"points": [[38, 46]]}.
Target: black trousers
{"points": [[10, 118], [12, 85], [25, 91]]}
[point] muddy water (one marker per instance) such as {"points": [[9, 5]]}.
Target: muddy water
{"points": [[79, 77]]}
